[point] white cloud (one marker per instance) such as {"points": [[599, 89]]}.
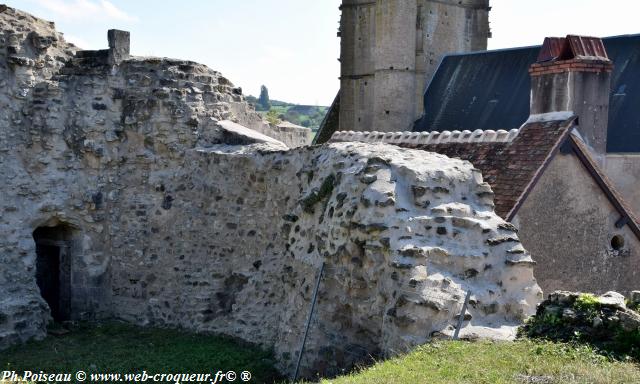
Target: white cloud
{"points": [[86, 10]]}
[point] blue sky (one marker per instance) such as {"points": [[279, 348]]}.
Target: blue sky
{"points": [[291, 45]]}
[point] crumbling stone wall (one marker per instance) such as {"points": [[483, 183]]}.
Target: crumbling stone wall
{"points": [[290, 134], [230, 239], [70, 124], [170, 225], [240, 256]]}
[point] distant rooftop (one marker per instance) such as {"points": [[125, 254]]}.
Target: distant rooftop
{"points": [[490, 90]]}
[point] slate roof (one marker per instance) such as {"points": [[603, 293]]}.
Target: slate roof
{"points": [[490, 90]]}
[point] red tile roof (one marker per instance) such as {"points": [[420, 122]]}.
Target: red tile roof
{"points": [[513, 168], [510, 168]]}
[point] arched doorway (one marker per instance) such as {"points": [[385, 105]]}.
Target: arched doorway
{"points": [[53, 268]]}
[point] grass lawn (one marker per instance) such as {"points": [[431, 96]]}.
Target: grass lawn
{"points": [[121, 348], [497, 362]]}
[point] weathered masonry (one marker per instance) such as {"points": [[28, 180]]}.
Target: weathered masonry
{"points": [[391, 49], [142, 188]]}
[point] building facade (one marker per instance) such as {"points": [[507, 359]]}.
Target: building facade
{"points": [[549, 177]]}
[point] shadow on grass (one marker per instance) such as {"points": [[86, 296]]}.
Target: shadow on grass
{"points": [[116, 347], [608, 339]]}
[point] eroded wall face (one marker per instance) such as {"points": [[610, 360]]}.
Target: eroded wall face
{"points": [[561, 225], [391, 49], [241, 256], [173, 226], [231, 239]]}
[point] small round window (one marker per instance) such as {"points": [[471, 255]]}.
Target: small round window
{"points": [[617, 242]]}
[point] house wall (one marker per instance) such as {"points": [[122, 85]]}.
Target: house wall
{"points": [[624, 170], [567, 224]]}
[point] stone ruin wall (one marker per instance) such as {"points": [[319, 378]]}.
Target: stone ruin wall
{"points": [[34, 55], [175, 245], [169, 225]]}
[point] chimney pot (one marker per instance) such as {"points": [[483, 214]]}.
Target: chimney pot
{"points": [[574, 74]]}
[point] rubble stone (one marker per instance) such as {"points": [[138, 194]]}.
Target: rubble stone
{"points": [[613, 299], [602, 321], [175, 215]]}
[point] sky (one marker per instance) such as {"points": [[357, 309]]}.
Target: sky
{"points": [[291, 45]]}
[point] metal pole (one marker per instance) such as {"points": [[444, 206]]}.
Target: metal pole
{"points": [[306, 331], [461, 318]]}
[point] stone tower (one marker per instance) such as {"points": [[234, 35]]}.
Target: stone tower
{"points": [[391, 48]]}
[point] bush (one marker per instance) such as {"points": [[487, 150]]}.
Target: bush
{"points": [[585, 321], [588, 304], [272, 117]]}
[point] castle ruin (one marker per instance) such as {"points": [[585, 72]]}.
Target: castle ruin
{"points": [[146, 189]]}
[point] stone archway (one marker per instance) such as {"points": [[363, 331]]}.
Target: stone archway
{"points": [[54, 249]]}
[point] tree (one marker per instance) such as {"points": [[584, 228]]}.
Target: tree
{"points": [[273, 118], [264, 99]]}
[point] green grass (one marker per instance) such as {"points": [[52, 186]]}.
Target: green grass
{"points": [[497, 362], [120, 348]]}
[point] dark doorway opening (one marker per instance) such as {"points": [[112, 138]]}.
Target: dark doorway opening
{"points": [[53, 268]]}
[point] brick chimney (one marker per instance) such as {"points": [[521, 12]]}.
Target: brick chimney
{"points": [[574, 74]]}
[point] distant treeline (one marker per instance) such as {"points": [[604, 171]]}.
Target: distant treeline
{"points": [[309, 116]]}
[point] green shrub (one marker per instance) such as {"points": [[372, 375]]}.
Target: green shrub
{"points": [[632, 306], [608, 338], [588, 304], [272, 117]]}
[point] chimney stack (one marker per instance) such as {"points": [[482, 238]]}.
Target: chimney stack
{"points": [[574, 74]]}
